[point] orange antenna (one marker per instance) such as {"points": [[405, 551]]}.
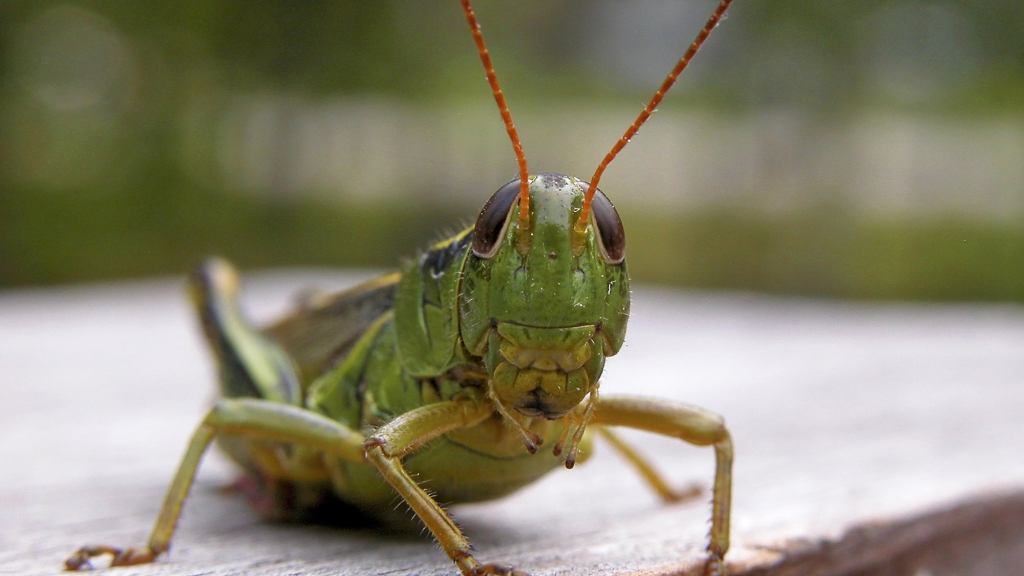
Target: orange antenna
{"points": [[581, 223], [506, 115]]}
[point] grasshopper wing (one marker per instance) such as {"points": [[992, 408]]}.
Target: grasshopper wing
{"points": [[320, 333]]}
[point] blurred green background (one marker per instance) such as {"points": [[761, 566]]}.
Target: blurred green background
{"points": [[845, 149]]}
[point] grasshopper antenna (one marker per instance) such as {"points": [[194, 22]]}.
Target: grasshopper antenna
{"points": [[510, 127], [581, 223]]}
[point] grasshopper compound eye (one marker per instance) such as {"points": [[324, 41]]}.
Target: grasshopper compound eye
{"points": [[493, 220], [610, 234]]}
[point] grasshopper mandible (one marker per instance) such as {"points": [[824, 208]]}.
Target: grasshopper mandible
{"points": [[454, 371]]}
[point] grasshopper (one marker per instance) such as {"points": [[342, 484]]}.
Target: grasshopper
{"points": [[454, 371]]}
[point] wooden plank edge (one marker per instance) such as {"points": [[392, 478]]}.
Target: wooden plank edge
{"points": [[979, 536]]}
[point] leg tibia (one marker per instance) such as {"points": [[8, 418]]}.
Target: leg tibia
{"points": [[405, 434]]}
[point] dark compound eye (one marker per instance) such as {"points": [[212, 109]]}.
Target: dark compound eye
{"points": [[609, 229], [490, 225]]}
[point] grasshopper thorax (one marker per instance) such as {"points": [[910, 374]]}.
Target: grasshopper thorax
{"points": [[544, 318]]}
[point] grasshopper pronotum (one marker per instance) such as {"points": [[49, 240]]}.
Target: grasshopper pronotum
{"points": [[454, 371]]}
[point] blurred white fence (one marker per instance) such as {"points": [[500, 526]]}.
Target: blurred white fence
{"points": [[872, 162]]}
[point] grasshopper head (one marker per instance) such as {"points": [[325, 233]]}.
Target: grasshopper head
{"points": [[545, 295], [543, 309]]}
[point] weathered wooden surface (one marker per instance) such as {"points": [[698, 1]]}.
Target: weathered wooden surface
{"points": [[870, 439]]}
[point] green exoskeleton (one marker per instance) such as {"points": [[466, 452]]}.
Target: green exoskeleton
{"points": [[454, 371]]}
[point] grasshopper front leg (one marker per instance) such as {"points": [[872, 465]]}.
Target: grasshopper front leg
{"points": [[256, 419], [693, 425], [405, 434]]}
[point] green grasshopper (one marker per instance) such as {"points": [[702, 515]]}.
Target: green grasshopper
{"points": [[454, 371]]}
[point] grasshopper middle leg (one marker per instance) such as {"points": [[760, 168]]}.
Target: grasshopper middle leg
{"points": [[650, 475], [259, 420]]}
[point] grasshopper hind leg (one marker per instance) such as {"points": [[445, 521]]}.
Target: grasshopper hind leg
{"points": [[259, 423], [279, 482], [250, 365]]}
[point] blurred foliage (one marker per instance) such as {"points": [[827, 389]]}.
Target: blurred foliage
{"points": [[819, 252], [106, 106], [812, 253]]}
